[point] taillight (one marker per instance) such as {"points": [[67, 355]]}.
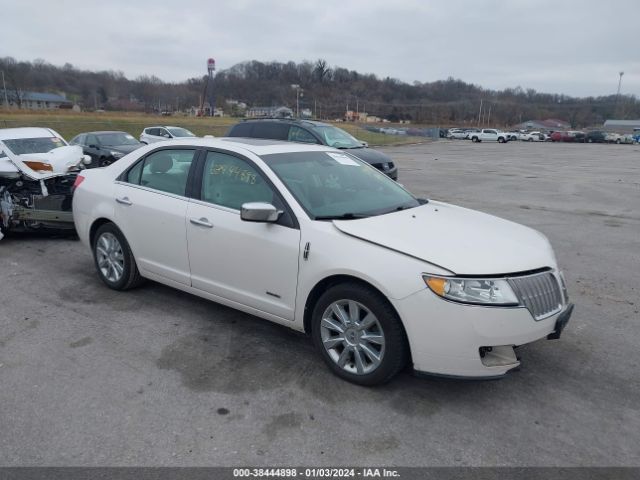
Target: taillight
{"points": [[77, 182]]}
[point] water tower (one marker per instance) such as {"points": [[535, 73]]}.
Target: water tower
{"points": [[208, 88]]}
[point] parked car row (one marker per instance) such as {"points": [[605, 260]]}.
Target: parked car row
{"points": [[594, 136], [303, 233], [105, 147]]}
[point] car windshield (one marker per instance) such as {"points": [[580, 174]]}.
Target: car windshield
{"points": [[336, 137], [117, 138], [180, 132], [335, 185], [20, 146]]}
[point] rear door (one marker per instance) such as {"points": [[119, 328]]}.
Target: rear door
{"points": [[151, 205], [254, 264]]}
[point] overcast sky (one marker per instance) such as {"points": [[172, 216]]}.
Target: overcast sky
{"points": [[559, 46]]}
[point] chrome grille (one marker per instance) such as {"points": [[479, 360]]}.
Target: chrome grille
{"points": [[540, 293]]}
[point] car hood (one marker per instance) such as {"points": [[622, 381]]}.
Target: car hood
{"points": [[463, 241], [61, 159], [124, 148], [369, 155]]}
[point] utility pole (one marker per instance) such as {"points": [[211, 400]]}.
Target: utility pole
{"points": [[489, 116], [479, 112], [299, 93], [615, 109], [211, 68]]}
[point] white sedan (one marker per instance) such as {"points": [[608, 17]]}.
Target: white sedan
{"points": [[314, 239], [532, 137]]}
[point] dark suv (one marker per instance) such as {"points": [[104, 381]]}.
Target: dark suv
{"points": [[307, 131]]}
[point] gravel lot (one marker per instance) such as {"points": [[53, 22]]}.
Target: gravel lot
{"points": [[89, 376]]}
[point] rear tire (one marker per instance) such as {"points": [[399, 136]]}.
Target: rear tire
{"points": [[475, 139], [114, 259], [364, 342]]}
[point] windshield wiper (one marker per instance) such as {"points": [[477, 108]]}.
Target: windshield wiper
{"points": [[344, 216]]}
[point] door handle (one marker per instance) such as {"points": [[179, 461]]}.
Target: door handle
{"points": [[124, 201], [202, 222]]}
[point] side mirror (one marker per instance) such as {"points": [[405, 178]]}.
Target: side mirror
{"points": [[95, 147], [364, 144], [259, 212]]}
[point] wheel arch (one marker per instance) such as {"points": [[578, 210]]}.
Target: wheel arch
{"points": [[95, 226], [331, 281]]}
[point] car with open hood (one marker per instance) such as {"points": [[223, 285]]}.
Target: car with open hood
{"points": [[37, 172], [316, 239]]}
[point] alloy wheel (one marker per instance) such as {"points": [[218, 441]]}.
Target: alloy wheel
{"points": [[352, 337], [110, 257]]}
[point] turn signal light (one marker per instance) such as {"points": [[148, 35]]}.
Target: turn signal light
{"points": [[436, 284], [38, 166]]}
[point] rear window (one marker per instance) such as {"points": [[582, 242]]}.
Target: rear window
{"points": [[241, 130], [272, 130]]}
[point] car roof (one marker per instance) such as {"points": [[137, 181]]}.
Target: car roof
{"points": [[101, 132], [294, 121], [164, 126], [257, 146], [26, 132]]}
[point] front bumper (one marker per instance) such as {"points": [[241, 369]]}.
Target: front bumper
{"points": [[457, 340]]}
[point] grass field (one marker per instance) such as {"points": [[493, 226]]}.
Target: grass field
{"points": [[70, 124]]}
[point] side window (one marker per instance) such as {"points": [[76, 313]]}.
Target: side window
{"points": [[297, 134], [163, 133], [272, 130], [133, 175], [230, 182], [164, 170], [153, 131], [92, 140]]}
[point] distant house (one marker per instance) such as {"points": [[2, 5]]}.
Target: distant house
{"points": [[269, 112], [38, 101], [353, 116], [621, 126], [549, 124]]}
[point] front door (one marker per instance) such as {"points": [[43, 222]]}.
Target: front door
{"points": [[255, 264], [151, 208]]}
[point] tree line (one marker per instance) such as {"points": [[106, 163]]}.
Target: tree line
{"points": [[327, 91]]}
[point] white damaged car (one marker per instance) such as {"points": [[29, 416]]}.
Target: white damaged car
{"points": [[314, 239], [37, 172]]}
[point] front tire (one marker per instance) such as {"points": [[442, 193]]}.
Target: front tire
{"points": [[114, 260], [105, 161], [475, 139], [359, 335]]}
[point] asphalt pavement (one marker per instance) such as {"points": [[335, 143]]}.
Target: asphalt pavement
{"points": [[154, 376]]}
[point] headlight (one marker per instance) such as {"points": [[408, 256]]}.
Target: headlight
{"points": [[115, 154], [480, 291]]}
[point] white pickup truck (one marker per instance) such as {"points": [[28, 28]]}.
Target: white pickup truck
{"points": [[489, 135]]}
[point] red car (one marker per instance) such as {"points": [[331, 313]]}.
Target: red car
{"points": [[569, 136]]}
